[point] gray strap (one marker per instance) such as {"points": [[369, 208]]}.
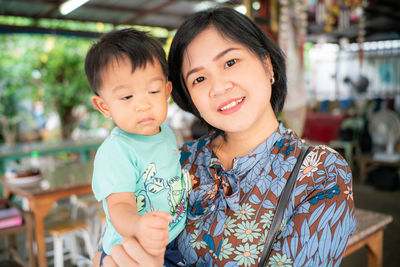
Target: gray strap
{"points": [[281, 206]]}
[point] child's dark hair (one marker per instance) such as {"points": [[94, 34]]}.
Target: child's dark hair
{"points": [[238, 28], [138, 46]]}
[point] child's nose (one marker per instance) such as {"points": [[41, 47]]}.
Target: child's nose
{"points": [[143, 104]]}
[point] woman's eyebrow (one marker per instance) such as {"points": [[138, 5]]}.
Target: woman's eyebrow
{"points": [[221, 54], [218, 56], [193, 71]]}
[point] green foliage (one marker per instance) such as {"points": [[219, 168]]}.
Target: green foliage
{"points": [[17, 21], [46, 68], [63, 77], [15, 72], [41, 67], [56, 24], [16, 84], [62, 73]]}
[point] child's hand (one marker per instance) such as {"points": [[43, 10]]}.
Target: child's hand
{"points": [[152, 232]]}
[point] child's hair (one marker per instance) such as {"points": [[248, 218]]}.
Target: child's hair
{"points": [[138, 46], [238, 28]]}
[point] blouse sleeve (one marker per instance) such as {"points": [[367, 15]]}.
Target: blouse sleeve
{"points": [[320, 219]]}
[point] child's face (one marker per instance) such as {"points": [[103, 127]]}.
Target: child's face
{"points": [[137, 102], [229, 85]]}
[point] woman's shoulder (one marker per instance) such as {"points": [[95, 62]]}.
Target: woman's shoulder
{"points": [[320, 154], [327, 155], [323, 165]]}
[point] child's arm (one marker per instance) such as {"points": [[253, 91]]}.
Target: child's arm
{"points": [[150, 229]]}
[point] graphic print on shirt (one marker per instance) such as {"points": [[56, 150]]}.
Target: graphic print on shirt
{"points": [[155, 185]]}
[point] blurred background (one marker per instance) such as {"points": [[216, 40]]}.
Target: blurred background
{"points": [[343, 67]]}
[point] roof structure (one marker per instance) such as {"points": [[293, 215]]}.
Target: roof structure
{"points": [[168, 14], [382, 16]]}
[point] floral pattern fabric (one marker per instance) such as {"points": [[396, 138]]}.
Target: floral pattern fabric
{"points": [[230, 212]]}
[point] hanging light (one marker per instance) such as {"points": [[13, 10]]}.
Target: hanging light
{"points": [[70, 5]]}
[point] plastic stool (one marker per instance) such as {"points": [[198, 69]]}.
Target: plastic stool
{"points": [[89, 206], [87, 203], [68, 228], [99, 226]]}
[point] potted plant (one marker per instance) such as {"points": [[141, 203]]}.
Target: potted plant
{"points": [[63, 78]]}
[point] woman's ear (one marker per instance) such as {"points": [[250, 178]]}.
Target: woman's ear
{"points": [[268, 66], [99, 103]]}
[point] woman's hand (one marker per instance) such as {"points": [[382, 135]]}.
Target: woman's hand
{"points": [[130, 253]]}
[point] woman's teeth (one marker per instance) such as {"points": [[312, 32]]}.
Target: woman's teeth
{"points": [[232, 104]]}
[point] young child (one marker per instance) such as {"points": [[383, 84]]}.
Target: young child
{"points": [[137, 173]]}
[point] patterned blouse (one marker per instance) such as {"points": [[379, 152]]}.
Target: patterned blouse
{"points": [[230, 212]]}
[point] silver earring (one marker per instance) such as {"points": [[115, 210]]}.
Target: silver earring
{"points": [[272, 80]]}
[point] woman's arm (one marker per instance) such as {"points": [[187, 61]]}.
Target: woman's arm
{"points": [[130, 253], [323, 215]]}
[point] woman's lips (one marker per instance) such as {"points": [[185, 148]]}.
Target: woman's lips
{"points": [[231, 105]]}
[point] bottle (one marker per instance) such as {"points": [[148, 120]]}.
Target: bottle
{"points": [[35, 163]]}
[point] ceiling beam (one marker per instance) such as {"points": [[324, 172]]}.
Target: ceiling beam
{"points": [[52, 10], [85, 20], [56, 4], [41, 30], [149, 11]]}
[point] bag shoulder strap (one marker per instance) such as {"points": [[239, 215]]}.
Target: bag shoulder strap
{"points": [[281, 206]]}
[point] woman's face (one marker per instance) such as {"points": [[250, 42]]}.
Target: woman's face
{"points": [[228, 83]]}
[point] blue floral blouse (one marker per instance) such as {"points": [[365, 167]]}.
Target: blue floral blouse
{"points": [[230, 212]]}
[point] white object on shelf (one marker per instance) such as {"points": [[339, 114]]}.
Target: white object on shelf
{"points": [[28, 180], [385, 157]]}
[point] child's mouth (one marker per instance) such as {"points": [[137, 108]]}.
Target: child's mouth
{"points": [[146, 121]]}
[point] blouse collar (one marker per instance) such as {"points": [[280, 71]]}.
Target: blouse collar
{"points": [[245, 163]]}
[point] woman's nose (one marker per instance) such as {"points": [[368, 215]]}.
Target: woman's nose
{"points": [[220, 86]]}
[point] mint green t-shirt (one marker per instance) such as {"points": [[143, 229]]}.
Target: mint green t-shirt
{"points": [[149, 167]]}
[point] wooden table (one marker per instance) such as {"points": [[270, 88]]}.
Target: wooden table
{"points": [[367, 163], [18, 151], [61, 182], [369, 233]]}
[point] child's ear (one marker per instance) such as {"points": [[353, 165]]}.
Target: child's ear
{"points": [[168, 89], [99, 103]]}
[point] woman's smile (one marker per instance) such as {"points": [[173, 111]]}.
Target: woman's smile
{"points": [[231, 106]]}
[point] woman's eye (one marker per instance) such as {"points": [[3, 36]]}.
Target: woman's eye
{"points": [[230, 63], [198, 80], [126, 97]]}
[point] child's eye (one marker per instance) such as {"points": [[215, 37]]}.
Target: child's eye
{"points": [[126, 97], [230, 63], [154, 91], [198, 80]]}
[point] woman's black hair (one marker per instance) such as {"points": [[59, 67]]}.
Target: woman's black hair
{"points": [[238, 28], [138, 46]]}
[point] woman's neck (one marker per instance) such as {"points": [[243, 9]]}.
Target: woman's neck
{"points": [[239, 144]]}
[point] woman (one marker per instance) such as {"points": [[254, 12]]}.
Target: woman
{"points": [[231, 76]]}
